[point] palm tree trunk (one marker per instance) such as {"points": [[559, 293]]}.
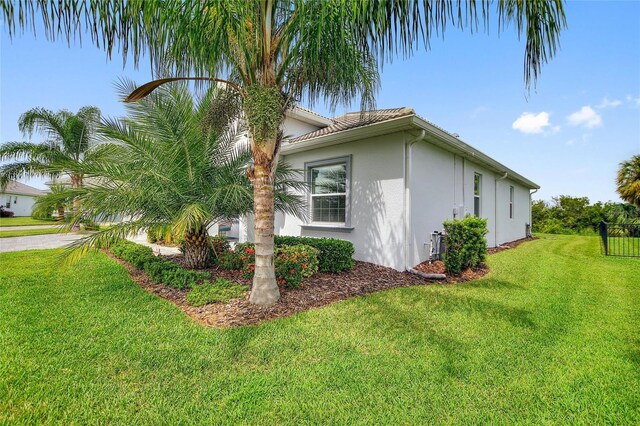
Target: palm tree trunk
{"points": [[76, 182], [265, 289], [60, 213], [196, 248]]}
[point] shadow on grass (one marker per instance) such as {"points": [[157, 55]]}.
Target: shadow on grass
{"points": [[494, 284]]}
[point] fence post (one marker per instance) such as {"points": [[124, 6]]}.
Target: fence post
{"points": [[604, 233]]}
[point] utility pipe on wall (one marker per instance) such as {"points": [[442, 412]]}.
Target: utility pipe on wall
{"points": [[407, 195], [495, 209]]}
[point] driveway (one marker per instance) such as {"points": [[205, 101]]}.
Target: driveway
{"points": [[35, 242], [19, 228]]}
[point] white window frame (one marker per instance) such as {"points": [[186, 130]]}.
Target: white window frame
{"points": [[478, 195], [309, 166], [512, 192]]}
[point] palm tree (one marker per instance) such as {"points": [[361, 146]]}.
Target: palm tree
{"points": [[275, 52], [173, 161], [68, 144], [628, 181]]}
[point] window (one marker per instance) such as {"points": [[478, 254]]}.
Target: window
{"points": [[511, 191], [15, 200], [477, 193], [8, 203], [329, 181]]}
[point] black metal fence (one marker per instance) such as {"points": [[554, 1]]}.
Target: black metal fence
{"points": [[620, 239]]}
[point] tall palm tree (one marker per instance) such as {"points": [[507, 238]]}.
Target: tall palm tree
{"points": [[628, 181], [68, 144], [173, 161], [275, 52]]}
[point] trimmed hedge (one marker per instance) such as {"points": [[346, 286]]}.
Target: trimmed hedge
{"points": [[335, 255], [465, 244], [294, 263], [159, 270]]}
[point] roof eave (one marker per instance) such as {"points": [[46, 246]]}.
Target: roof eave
{"points": [[438, 137]]}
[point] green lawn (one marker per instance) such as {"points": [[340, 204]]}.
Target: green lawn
{"points": [[23, 221], [550, 336], [26, 232]]}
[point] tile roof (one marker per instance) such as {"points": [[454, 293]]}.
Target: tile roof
{"points": [[22, 189], [353, 120]]}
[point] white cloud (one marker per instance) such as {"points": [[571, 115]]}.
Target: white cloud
{"points": [[555, 129], [633, 100], [606, 103], [531, 123], [585, 117]]}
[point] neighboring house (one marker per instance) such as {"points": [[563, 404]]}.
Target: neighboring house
{"points": [[387, 179], [19, 198]]}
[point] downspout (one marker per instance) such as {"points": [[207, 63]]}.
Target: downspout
{"points": [[407, 194], [530, 211], [495, 209]]}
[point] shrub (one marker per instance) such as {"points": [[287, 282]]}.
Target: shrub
{"points": [[159, 270], [293, 263], [465, 243], [230, 260], [5, 213], [334, 255], [133, 253], [219, 245]]}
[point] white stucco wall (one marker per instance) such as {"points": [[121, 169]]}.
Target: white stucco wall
{"points": [[293, 127], [377, 188], [21, 205], [510, 229], [439, 187]]}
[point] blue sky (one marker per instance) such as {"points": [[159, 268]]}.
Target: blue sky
{"points": [[568, 135]]}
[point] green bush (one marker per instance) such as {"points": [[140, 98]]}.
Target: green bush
{"points": [[293, 263], [159, 270], [221, 290], [465, 243], [230, 260], [334, 255], [133, 253], [219, 245]]}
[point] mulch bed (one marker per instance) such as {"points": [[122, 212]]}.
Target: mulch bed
{"points": [[320, 290]]}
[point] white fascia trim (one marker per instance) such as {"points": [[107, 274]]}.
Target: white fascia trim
{"points": [[308, 117]]}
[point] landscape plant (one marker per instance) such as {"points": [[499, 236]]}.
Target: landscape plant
{"points": [[171, 167], [628, 181], [275, 52], [68, 147], [466, 246]]}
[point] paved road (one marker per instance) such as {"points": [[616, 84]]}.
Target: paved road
{"points": [[34, 242], [20, 228]]}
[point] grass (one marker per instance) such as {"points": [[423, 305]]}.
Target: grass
{"points": [[27, 232], [550, 336], [23, 221], [221, 290]]}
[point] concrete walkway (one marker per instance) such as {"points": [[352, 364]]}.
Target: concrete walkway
{"points": [[36, 242], [20, 228]]}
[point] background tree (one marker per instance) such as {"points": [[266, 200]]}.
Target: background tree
{"points": [[69, 142], [628, 181], [170, 163], [274, 52]]}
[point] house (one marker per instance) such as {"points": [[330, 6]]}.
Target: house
{"points": [[385, 180], [19, 198]]}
